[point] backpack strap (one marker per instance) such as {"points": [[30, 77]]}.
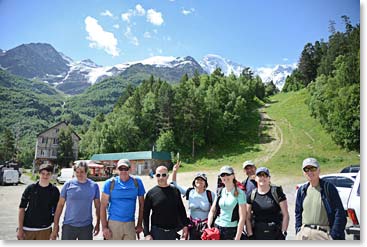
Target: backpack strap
{"points": [[210, 197], [253, 194], [135, 181], [274, 193], [187, 194], [112, 185]]}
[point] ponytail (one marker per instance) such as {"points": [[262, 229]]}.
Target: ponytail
{"points": [[235, 187]]}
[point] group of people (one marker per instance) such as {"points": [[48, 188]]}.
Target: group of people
{"points": [[253, 209]]}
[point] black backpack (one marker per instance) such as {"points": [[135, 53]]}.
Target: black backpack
{"points": [[208, 194]]}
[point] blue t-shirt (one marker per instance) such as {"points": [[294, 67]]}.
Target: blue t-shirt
{"points": [[123, 199], [79, 198], [227, 203]]}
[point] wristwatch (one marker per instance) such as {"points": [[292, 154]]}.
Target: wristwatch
{"points": [[284, 233]]}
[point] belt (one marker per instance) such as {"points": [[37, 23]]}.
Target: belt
{"points": [[165, 230], [316, 227]]}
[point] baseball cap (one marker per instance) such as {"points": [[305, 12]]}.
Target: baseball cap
{"points": [[123, 162], [226, 169], [310, 162], [248, 163], [263, 169], [47, 167]]}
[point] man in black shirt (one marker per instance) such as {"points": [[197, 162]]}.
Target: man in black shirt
{"points": [[37, 207], [168, 212]]}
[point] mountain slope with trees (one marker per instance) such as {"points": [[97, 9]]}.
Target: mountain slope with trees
{"points": [[331, 72]]}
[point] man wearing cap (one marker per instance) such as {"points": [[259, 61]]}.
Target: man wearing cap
{"points": [[164, 212], [119, 196], [319, 211], [250, 182], [37, 207]]}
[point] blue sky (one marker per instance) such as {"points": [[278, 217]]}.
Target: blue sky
{"points": [[254, 33]]}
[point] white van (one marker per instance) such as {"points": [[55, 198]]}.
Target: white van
{"points": [[354, 209], [9, 176], [66, 174]]}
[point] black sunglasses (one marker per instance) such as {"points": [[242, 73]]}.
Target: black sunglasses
{"points": [[262, 174], [125, 169], [225, 175], [312, 169], [158, 175]]}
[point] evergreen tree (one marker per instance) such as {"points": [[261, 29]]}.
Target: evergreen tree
{"points": [[7, 145]]}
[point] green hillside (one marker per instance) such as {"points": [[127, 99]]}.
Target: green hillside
{"points": [[303, 136]]}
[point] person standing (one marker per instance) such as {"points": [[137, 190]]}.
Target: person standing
{"points": [[267, 210], [164, 212], [250, 169], [119, 196], [37, 207], [231, 205], [79, 194], [200, 199], [319, 211]]}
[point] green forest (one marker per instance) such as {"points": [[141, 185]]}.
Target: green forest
{"points": [[201, 116]]}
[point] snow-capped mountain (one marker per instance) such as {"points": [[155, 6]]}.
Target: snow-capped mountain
{"points": [[211, 61], [277, 74]]}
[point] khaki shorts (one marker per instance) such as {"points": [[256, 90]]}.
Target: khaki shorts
{"points": [[122, 230], [307, 233], [38, 235]]}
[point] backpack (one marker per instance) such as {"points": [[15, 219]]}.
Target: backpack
{"points": [[208, 194], [274, 193], [112, 185]]}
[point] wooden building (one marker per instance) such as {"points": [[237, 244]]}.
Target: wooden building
{"points": [[47, 145]]}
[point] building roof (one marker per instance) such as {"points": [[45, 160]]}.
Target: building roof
{"points": [[143, 155], [58, 125]]}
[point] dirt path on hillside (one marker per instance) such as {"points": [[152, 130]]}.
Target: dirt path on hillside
{"points": [[270, 136]]}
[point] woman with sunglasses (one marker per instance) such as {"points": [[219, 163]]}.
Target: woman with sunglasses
{"points": [[200, 200], [267, 210], [230, 206]]}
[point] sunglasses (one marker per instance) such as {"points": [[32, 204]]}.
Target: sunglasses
{"points": [[312, 169], [262, 174], [158, 175], [123, 169], [225, 175]]}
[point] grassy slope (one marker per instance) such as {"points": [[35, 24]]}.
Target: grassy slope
{"points": [[303, 136]]}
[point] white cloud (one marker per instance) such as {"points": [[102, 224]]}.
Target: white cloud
{"points": [[126, 16], [154, 17], [139, 10], [99, 38], [285, 59], [160, 51], [147, 35], [132, 39], [107, 13], [187, 11], [117, 26]]}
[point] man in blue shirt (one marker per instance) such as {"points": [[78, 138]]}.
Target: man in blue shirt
{"points": [[79, 194], [119, 198]]}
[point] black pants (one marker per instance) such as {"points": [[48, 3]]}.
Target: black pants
{"points": [[227, 233], [73, 233], [267, 231], [163, 234]]}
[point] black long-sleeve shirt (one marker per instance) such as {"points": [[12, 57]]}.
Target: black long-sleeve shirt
{"points": [[167, 208]]}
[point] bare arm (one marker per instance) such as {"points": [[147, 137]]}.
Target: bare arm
{"points": [[139, 225], [20, 233], [284, 207], [249, 220], [175, 170], [97, 205], [241, 221], [212, 213], [103, 214], [59, 208]]}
